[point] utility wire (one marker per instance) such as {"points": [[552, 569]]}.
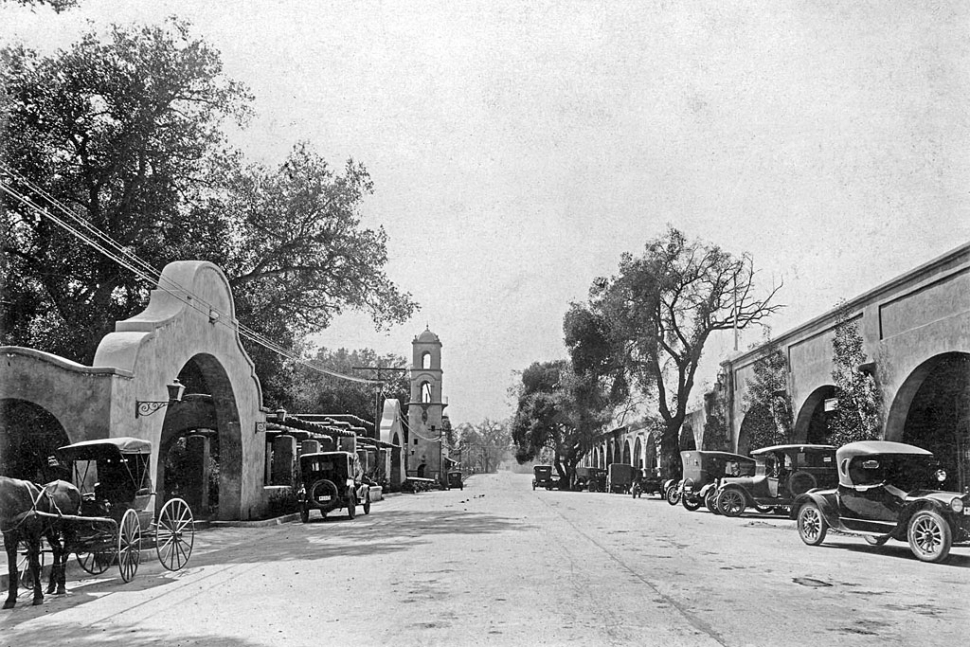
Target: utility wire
{"points": [[98, 240]]}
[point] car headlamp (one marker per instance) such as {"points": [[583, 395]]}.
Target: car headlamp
{"points": [[956, 505]]}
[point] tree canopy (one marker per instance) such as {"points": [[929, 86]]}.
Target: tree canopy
{"points": [[482, 446], [127, 132], [859, 412], [661, 308]]}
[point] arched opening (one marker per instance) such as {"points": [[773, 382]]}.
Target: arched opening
{"points": [[29, 434], [426, 360], [426, 392], [626, 453], [813, 422], [638, 453], [933, 406], [200, 449], [650, 453], [396, 460]]}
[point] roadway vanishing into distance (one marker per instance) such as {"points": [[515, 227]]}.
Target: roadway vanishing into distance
{"points": [[500, 564]]}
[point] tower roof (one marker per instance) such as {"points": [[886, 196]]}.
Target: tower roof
{"points": [[427, 337]]}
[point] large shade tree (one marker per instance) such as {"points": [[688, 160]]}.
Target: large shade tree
{"points": [[558, 412], [661, 308], [127, 133], [482, 445]]}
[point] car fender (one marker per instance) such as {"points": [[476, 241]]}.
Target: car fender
{"points": [[706, 489], [825, 506], [913, 507]]}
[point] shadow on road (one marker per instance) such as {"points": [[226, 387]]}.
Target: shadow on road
{"points": [[897, 550]]}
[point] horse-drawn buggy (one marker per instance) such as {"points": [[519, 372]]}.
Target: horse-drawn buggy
{"points": [[105, 518]]}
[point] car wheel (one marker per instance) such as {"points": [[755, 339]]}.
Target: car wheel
{"points": [[811, 524], [304, 514], [690, 502], [930, 537], [710, 502], [351, 505], [367, 504], [731, 502], [673, 495], [876, 540]]}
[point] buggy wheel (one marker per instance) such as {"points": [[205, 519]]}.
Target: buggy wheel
{"points": [[673, 495], [129, 545], [97, 561], [731, 502], [24, 581], [175, 534], [367, 503], [929, 536], [811, 524], [351, 505]]}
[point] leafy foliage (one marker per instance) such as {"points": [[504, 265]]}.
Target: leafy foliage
{"points": [[859, 414], [661, 308], [315, 392], [560, 411], [483, 445], [768, 418], [127, 132]]}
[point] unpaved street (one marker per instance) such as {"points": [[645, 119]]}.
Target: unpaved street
{"points": [[499, 564]]}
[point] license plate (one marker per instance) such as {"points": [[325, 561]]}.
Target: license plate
{"points": [[326, 497]]}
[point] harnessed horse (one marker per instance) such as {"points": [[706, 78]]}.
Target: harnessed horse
{"points": [[28, 513]]}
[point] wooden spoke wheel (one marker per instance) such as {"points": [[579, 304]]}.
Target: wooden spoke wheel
{"points": [[129, 545], [175, 534], [95, 555], [24, 581]]}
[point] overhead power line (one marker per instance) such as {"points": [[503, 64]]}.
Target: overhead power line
{"points": [[98, 240]]}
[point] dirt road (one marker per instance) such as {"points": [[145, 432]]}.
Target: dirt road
{"points": [[499, 564]]}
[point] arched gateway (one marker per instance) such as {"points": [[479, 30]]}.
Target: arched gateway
{"points": [[187, 333]]}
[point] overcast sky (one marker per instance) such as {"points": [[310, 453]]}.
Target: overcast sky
{"points": [[518, 148]]}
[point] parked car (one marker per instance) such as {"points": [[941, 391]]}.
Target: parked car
{"points": [[619, 477], [648, 480], [597, 479], [779, 474], [886, 491], [543, 477], [454, 480], [330, 481], [703, 471]]}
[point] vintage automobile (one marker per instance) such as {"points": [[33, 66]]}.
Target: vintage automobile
{"points": [[619, 477], [703, 471], [596, 482], [454, 480], [886, 491], [329, 481], [543, 477], [780, 473], [648, 480]]}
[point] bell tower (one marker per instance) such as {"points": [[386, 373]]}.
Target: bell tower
{"points": [[426, 409]]}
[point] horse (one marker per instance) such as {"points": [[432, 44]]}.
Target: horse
{"points": [[19, 500]]}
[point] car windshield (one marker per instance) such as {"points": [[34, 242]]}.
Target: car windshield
{"points": [[907, 472], [739, 468]]}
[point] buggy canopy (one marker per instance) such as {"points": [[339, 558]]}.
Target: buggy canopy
{"points": [[92, 450]]}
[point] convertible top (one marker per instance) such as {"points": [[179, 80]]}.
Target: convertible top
{"points": [[104, 448], [774, 448]]}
